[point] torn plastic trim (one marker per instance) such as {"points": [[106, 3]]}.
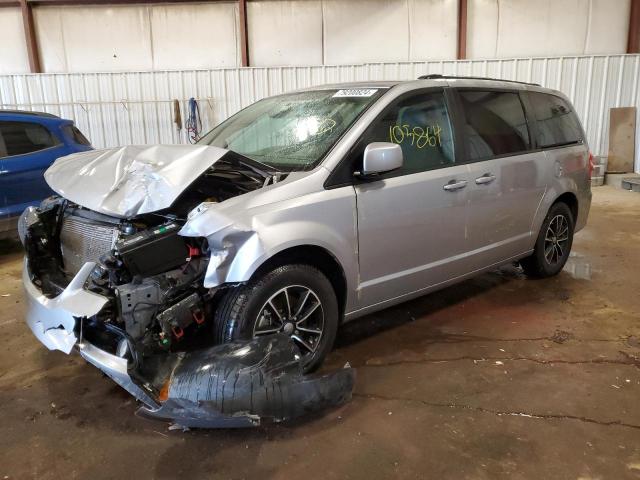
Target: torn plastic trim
{"points": [[242, 383], [52, 320], [231, 385], [115, 368]]}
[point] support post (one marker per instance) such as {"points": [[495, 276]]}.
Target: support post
{"points": [[30, 37], [244, 42], [633, 40], [462, 30]]}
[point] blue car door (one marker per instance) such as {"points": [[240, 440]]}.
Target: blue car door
{"points": [[28, 149], [3, 201]]}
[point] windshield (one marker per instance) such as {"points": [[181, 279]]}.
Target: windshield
{"points": [[294, 131]]}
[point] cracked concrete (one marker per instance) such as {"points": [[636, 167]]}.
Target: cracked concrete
{"points": [[628, 361], [501, 413], [498, 377]]}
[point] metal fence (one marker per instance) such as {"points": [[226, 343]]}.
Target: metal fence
{"points": [[137, 107]]}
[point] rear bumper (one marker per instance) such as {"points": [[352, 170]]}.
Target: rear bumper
{"points": [[584, 206]]}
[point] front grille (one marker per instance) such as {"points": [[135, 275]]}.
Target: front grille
{"points": [[83, 240]]}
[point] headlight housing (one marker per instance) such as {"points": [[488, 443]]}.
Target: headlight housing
{"points": [[28, 218]]}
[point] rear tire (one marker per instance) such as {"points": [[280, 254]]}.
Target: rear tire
{"points": [[553, 244], [296, 300]]}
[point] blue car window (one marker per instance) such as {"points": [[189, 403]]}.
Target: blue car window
{"points": [[20, 138], [76, 134]]}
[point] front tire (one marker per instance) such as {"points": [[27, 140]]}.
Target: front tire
{"points": [[553, 244], [297, 300]]}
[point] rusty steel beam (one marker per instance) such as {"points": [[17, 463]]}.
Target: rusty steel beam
{"points": [[244, 41], [16, 3], [633, 40], [461, 53], [30, 37]]}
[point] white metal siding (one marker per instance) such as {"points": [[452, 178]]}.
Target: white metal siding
{"points": [[136, 107], [508, 28], [136, 37], [13, 53]]}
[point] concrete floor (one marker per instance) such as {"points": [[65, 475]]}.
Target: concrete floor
{"points": [[498, 377]]}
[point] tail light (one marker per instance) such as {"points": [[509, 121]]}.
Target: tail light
{"points": [[591, 165]]}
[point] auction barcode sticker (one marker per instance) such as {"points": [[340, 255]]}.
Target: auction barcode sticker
{"points": [[356, 92]]}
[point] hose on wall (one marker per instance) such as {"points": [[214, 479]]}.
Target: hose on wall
{"points": [[193, 124]]}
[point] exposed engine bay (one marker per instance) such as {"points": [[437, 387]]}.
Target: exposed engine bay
{"points": [[151, 275], [157, 311]]}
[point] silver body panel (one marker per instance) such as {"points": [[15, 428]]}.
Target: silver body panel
{"points": [[400, 237], [397, 219], [52, 319], [133, 180], [394, 239]]}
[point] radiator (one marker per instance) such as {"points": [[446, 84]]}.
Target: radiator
{"points": [[83, 240]]}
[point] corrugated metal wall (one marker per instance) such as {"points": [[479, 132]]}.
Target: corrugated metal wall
{"points": [[136, 107]]}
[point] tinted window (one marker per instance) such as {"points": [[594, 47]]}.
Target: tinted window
{"points": [[420, 125], [22, 137], [76, 135], [557, 122], [495, 123]]}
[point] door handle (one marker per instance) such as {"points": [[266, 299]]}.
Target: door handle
{"points": [[486, 178], [453, 185]]}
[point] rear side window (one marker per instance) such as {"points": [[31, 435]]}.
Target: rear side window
{"points": [[557, 122], [420, 125], [76, 135], [494, 124], [20, 138]]}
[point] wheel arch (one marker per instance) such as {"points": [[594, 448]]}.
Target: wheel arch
{"points": [[314, 256], [571, 200], [552, 197]]}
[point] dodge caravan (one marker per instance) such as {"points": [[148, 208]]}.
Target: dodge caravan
{"points": [[298, 213]]}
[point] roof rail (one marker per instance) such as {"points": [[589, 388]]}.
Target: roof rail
{"points": [[437, 76]]}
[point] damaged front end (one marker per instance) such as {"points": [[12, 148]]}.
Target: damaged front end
{"points": [[120, 283]]}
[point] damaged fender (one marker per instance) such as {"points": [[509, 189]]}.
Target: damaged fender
{"points": [[234, 246], [240, 384]]}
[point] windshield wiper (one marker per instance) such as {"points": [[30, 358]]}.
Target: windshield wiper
{"points": [[255, 166]]}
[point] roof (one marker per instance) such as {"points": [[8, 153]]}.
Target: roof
{"points": [[28, 113], [338, 86], [435, 80], [438, 76]]}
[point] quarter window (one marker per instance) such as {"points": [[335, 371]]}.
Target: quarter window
{"points": [[494, 124], [420, 125], [20, 138], [76, 135], [557, 122]]}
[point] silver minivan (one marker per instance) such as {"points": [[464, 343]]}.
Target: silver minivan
{"points": [[300, 212]]}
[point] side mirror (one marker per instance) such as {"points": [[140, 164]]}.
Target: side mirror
{"points": [[381, 157]]}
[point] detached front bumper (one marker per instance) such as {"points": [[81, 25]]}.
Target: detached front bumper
{"points": [[230, 385], [53, 322]]}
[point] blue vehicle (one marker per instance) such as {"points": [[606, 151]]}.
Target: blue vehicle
{"points": [[29, 144]]}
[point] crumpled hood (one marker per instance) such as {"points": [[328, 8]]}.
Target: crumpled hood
{"points": [[133, 180]]}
